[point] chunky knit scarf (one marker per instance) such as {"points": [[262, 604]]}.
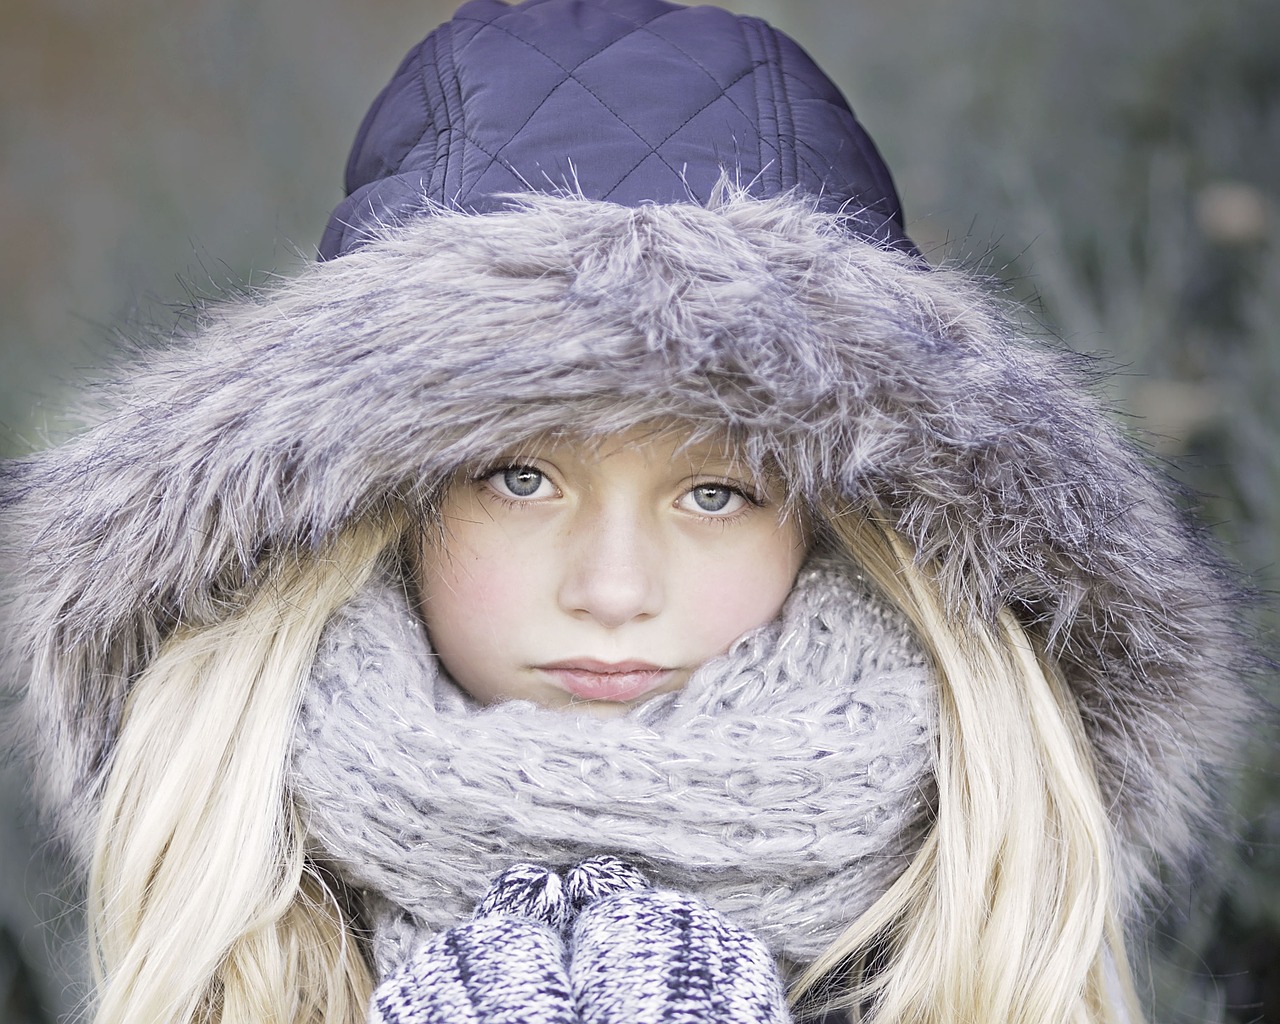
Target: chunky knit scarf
{"points": [[785, 786]]}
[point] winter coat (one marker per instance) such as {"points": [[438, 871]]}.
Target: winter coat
{"points": [[602, 213]]}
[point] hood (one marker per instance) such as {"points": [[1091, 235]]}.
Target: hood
{"points": [[629, 101], [361, 383], [364, 381]]}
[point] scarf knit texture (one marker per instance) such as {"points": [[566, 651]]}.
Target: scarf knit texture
{"points": [[786, 785]]}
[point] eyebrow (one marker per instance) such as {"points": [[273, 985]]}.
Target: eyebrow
{"points": [[717, 462], [710, 462]]}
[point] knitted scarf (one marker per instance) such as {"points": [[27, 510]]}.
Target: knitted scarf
{"points": [[785, 786]]}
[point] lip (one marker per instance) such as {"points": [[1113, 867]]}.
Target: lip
{"points": [[591, 679]]}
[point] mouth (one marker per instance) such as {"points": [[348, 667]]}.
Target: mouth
{"points": [[589, 679]]}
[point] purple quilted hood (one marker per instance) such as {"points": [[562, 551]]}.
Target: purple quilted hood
{"points": [[629, 101]]}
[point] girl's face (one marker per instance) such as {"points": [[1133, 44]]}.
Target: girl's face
{"points": [[594, 575]]}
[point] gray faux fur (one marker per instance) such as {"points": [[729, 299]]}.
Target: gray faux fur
{"points": [[364, 381]]}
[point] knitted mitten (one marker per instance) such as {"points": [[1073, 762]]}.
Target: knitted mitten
{"points": [[505, 966], [597, 877], [646, 956]]}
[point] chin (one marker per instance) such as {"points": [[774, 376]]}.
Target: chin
{"points": [[596, 708]]}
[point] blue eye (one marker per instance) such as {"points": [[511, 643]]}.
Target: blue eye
{"points": [[712, 500], [711, 497], [519, 481]]}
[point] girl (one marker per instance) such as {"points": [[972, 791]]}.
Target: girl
{"points": [[621, 528]]}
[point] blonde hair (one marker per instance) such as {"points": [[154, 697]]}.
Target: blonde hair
{"points": [[1007, 913], [204, 908]]}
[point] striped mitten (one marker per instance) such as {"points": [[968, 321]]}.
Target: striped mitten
{"points": [[505, 966], [647, 956]]}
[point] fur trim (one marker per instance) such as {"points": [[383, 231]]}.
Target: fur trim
{"points": [[363, 382]]}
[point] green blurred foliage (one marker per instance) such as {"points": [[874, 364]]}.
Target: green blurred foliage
{"points": [[1112, 161]]}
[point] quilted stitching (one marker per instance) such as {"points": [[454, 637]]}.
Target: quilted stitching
{"points": [[695, 62], [637, 100], [771, 132], [672, 134], [720, 93], [570, 74]]}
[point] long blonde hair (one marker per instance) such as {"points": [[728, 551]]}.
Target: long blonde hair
{"points": [[1007, 913], [204, 908]]}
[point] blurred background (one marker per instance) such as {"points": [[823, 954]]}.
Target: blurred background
{"points": [[1113, 163]]}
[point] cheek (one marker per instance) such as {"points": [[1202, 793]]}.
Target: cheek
{"points": [[471, 595], [731, 592], [469, 584]]}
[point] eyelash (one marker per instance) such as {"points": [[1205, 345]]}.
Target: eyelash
{"points": [[751, 501], [485, 475], [750, 497]]}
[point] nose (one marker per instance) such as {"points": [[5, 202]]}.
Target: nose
{"points": [[612, 567]]}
